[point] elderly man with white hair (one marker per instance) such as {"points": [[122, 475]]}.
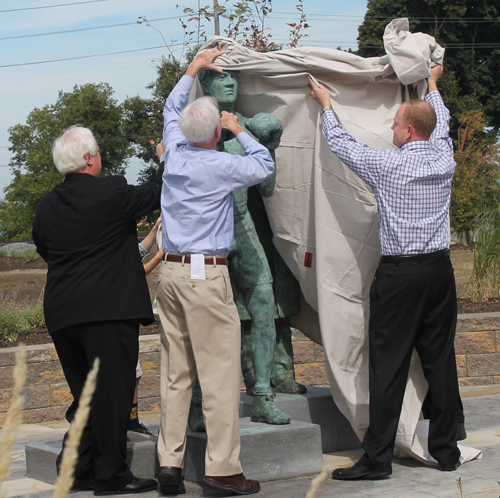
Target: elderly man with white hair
{"points": [[201, 327], [95, 298]]}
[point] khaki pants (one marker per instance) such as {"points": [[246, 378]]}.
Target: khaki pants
{"points": [[200, 337]]}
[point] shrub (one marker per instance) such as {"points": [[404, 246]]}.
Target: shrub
{"points": [[33, 316], [16, 316], [485, 280], [9, 323], [30, 255]]}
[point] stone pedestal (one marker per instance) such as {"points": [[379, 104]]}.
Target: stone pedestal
{"points": [[316, 407], [267, 452], [42, 451]]}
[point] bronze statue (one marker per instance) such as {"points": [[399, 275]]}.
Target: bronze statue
{"points": [[266, 343]]}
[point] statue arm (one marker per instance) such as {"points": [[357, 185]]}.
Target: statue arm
{"points": [[268, 130], [266, 188]]}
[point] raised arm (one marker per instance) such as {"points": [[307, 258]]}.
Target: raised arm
{"points": [[363, 160], [440, 138], [178, 97]]}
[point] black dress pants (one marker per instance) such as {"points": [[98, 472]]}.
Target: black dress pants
{"points": [[103, 447], [412, 305]]}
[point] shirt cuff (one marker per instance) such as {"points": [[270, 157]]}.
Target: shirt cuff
{"points": [[142, 250]]}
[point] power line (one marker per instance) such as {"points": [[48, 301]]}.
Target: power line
{"points": [[311, 17], [336, 17], [88, 56], [87, 29], [53, 6]]}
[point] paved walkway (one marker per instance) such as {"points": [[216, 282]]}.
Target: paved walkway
{"points": [[410, 479]]}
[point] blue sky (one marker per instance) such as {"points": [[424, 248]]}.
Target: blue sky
{"points": [[27, 41]]}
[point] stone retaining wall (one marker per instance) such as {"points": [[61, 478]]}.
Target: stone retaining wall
{"points": [[477, 346], [47, 394]]}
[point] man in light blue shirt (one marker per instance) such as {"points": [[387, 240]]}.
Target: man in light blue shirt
{"points": [[200, 323]]}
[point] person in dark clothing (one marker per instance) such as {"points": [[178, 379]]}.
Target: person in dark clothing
{"points": [[95, 298]]}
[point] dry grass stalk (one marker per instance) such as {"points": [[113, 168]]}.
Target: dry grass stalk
{"points": [[318, 480], [459, 484], [13, 420], [70, 455]]}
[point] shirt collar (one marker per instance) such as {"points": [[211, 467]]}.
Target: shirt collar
{"points": [[416, 145]]}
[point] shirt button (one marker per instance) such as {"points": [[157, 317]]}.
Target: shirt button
{"points": [[194, 285]]}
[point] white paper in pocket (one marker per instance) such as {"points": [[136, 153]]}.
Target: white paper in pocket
{"points": [[198, 266]]}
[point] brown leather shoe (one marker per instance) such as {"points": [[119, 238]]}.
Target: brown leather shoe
{"points": [[171, 481], [238, 484]]}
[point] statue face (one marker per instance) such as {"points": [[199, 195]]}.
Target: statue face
{"points": [[224, 87]]}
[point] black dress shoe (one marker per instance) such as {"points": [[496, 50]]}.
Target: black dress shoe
{"points": [[171, 482], [81, 485], [142, 429], [359, 471], [138, 485], [449, 467]]}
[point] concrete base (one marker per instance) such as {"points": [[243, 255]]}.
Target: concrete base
{"points": [[316, 407], [267, 452], [42, 451]]}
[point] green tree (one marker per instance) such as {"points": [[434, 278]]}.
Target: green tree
{"points": [[143, 118], [468, 29], [34, 173], [143, 123], [474, 188]]}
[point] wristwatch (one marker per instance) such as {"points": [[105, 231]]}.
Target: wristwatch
{"points": [[326, 108]]}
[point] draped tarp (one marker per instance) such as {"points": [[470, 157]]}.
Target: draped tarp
{"points": [[324, 217]]}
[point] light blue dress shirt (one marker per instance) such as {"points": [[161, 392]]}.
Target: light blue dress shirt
{"points": [[196, 198]]}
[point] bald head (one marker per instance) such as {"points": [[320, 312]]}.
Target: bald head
{"points": [[414, 121], [421, 115]]}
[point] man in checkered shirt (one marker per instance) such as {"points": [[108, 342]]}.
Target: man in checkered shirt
{"points": [[413, 297]]}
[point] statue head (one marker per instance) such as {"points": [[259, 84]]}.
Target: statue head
{"points": [[223, 86]]}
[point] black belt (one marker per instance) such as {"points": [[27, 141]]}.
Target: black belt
{"points": [[209, 260], [411, 258]]}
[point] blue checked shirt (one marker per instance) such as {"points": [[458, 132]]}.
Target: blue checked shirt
{"points": [[412, 185]]}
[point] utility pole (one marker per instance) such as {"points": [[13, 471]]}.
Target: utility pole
{"points": [[216, 18]]}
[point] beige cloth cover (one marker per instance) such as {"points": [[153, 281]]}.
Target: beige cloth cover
{"points": [[322, 208]]}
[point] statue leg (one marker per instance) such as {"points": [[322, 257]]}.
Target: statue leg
{"points": [[283, 374], [246, 356], [260, 304], [196, 421]]}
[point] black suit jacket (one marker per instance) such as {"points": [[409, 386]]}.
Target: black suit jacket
{"points": [[85, 229]]}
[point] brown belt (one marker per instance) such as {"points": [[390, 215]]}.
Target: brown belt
{"points": [[209, 260]]}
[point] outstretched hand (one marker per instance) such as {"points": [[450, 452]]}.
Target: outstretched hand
{"points": [[205, 60], [319, 93]]}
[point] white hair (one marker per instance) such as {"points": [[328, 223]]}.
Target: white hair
{"points": [[199, 120], [69, 149]]}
